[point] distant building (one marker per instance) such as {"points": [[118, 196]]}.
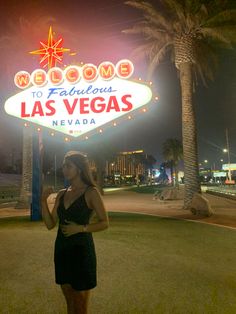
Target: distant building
{"points": [[132, 163]]}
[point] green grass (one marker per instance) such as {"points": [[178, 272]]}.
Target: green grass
{"points": [[146, 265]]}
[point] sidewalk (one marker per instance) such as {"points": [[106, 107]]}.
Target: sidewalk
{"points": [[126, 201]]}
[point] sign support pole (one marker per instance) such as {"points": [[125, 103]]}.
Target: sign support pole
{"points": [[36, 214]]}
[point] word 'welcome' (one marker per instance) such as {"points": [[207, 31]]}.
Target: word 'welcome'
{"points": [[72, 74]]}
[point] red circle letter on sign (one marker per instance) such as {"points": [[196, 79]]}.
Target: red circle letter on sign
{"points": [[124, 69], [89, 72], [55, 76], [22, 79], [39, 78], [106, 70], [72, 74]]}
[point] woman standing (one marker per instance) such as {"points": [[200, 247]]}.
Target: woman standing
{"points": [[74, 255]]}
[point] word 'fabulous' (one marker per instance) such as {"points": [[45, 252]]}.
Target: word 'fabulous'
{"points": [[72, 74]]}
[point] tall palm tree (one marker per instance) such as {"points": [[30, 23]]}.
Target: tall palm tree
{"points": [[172, 150], [187, 31]]}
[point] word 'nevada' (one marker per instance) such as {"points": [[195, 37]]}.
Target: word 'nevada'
{"points": [[72, 74]]}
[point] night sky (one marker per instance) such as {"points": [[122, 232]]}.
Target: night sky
{"points": [[93, 30]]}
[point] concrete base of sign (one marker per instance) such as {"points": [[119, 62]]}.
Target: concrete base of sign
{"points": [[201, 206]]}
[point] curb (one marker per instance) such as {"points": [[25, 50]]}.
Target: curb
{"points": [[228, 196], [176, 218]]}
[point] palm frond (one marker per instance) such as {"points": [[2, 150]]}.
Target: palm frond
{"points": [[192, 6], [158, 57], [151, 14], [146, 29], [142, 51], [176, 9], [206, 61], [215, 34], [222, 18], [200, 16]]}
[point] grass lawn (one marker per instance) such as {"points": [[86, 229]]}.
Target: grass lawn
{"points": [[146, 264]]}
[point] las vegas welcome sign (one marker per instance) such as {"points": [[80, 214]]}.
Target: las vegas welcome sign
{"points": [[77, 99]]}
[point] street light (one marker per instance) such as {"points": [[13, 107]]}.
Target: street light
{"points": [[227, 150]]}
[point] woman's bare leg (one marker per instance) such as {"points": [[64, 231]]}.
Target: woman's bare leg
{"points": [[69, 296], [81, 299]]}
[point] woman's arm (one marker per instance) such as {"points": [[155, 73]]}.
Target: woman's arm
{"points": [[94, 201], [49, 218]]}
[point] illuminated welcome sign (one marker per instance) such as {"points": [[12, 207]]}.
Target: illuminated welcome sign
{"points": [[77, 100]]}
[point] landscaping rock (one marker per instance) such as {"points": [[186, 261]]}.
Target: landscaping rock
{"points": [[201, 206], [172, 194]]}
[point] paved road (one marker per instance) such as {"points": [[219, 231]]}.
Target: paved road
{"points": [[126, 201]]}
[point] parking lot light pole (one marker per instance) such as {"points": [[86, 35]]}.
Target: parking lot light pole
{"points": [[228, 152]]}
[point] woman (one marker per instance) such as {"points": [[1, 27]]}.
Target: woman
{"points": [[74, 255]]}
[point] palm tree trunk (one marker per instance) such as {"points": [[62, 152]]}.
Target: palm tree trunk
{"points": [[176, 176], [191, 172], [26, 185], [100, 174], [172, 173]]}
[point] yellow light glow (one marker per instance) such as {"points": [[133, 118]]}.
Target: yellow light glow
{"points": [[51, 52]]}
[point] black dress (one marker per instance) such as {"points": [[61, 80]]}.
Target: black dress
{"points": [[75, 256]]}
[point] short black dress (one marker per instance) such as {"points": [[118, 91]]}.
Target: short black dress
{"points": [[75, 256]]}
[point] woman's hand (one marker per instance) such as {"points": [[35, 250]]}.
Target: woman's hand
{"points": [[46, 192], [70, 228]]}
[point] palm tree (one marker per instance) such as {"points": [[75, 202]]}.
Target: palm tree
{"points": [[186, 31], [172, 150]]}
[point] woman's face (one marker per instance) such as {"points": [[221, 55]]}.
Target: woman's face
{"points": [[70, 171]]}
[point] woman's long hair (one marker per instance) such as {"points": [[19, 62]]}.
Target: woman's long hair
{"points": [[81, 161]]}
